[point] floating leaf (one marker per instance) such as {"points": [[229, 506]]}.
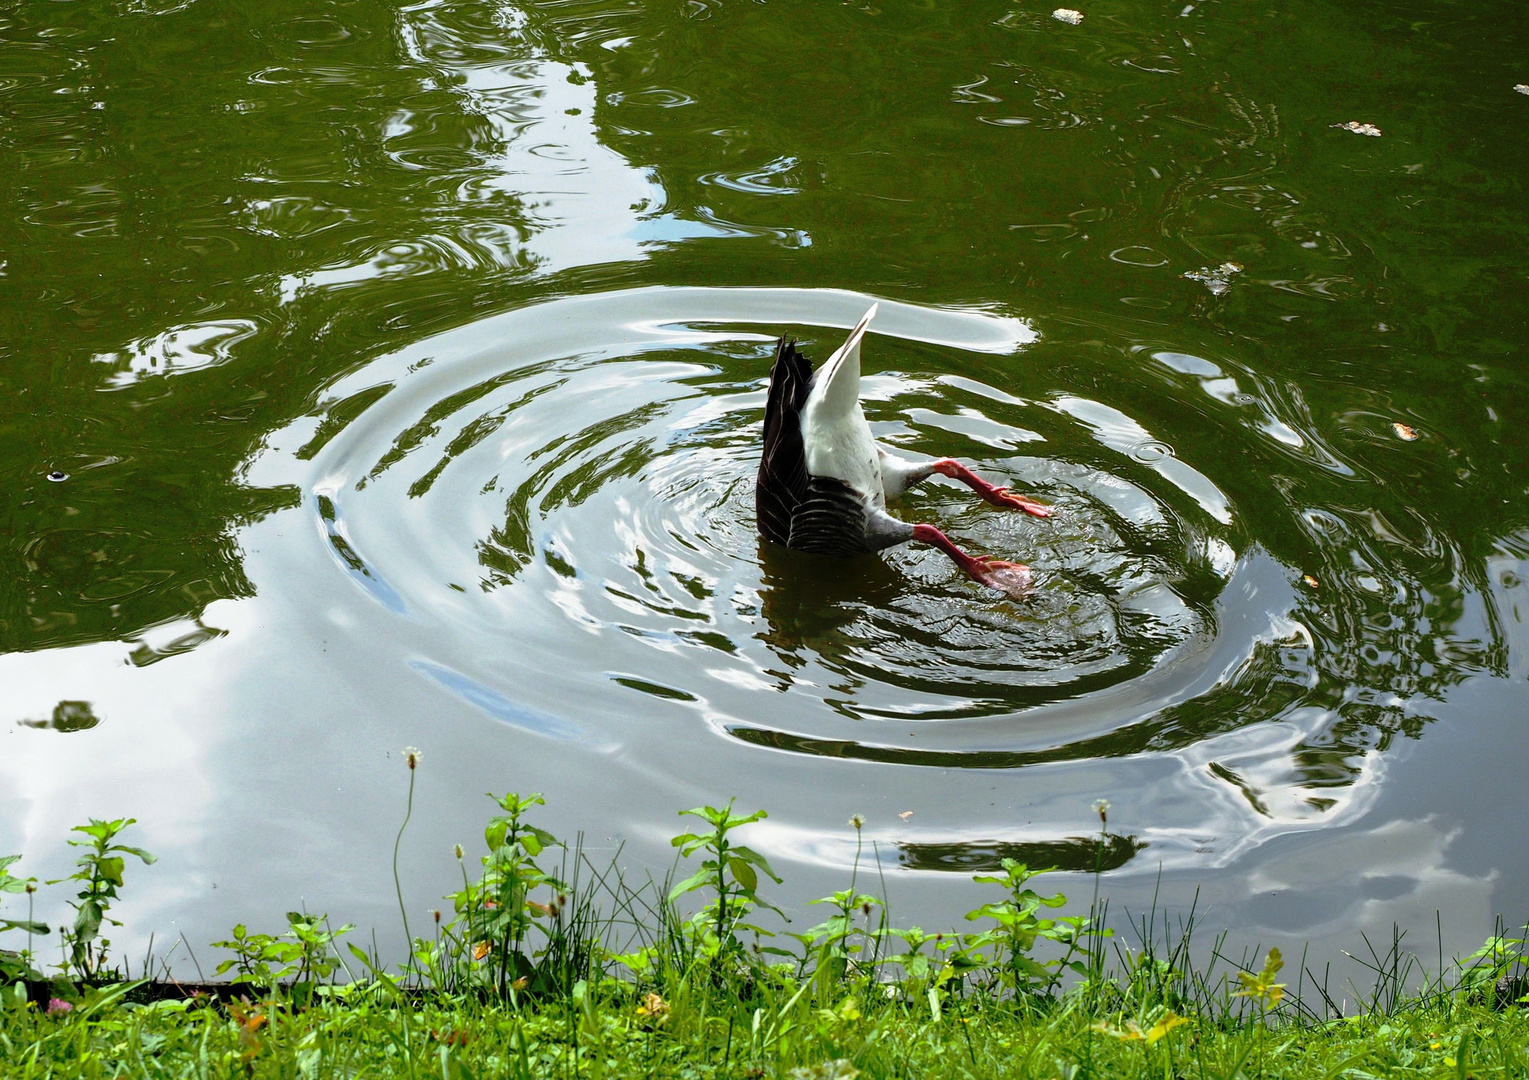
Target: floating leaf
{"points": [[1068, 16], [1217, 279], [1360, 129]]}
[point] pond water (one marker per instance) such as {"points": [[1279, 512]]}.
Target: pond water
{"points": [[385, 375]]}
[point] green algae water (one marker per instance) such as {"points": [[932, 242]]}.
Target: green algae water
{"points": [[385, 374]]}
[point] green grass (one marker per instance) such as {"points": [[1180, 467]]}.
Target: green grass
{"points": [[607, 1032], [533, 971]]}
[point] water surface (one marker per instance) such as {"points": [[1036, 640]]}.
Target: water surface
{"points": [[393, 374]]}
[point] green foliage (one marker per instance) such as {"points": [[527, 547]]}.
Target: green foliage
{"points": [[603, 1032], [17, 964], [729, 872], [486, 945], [983, 1003], [100, 872], [303, 955], [1005, 949], [1498, 966], [1261, 987], [845, 942]]}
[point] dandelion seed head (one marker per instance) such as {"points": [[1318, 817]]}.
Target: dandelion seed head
{"points": [[858, 821], [1102, 808]]}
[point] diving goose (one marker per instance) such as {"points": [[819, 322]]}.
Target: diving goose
{"points": [[824, 482]]}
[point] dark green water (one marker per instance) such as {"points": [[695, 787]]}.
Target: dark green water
{"points": [[400, 371]]}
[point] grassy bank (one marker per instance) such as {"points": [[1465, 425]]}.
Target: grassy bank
{"points": [[543, 964], [698, 1034]]}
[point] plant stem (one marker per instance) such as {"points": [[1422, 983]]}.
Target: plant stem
{"points": [[408, 938]]}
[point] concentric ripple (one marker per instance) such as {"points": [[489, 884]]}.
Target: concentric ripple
{"points": [[564, 497]]}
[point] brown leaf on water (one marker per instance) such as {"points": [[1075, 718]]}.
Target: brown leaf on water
{"points": [[1310, 581], [1404, 432]]}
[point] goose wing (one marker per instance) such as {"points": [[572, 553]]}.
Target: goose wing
{"points": [[782, 484]]}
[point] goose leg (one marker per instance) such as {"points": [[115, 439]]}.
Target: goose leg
{"points": [[1006, 577], [998, 496]]}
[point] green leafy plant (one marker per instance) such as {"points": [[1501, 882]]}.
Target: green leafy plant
{"points": [[17, 964], [731, 872], [1261, 987], [923, 973], [262, 959], [1499, 965], [843, 946], [303, 954], [1018, 926], [100, 871], [842, 941], [316, 960], [496, 913]]}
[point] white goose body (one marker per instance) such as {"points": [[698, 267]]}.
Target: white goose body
{"points": [[835, 436]]}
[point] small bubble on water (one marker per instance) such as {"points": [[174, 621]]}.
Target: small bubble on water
{"points": [[58, 477], [1151, 451]]}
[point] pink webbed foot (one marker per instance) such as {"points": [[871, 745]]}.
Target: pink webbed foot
{"points": [[1000, 497], [1010, 578]]}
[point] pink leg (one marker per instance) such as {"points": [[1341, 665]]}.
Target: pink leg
{"points": [[1006, 577], [998, 496]]}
